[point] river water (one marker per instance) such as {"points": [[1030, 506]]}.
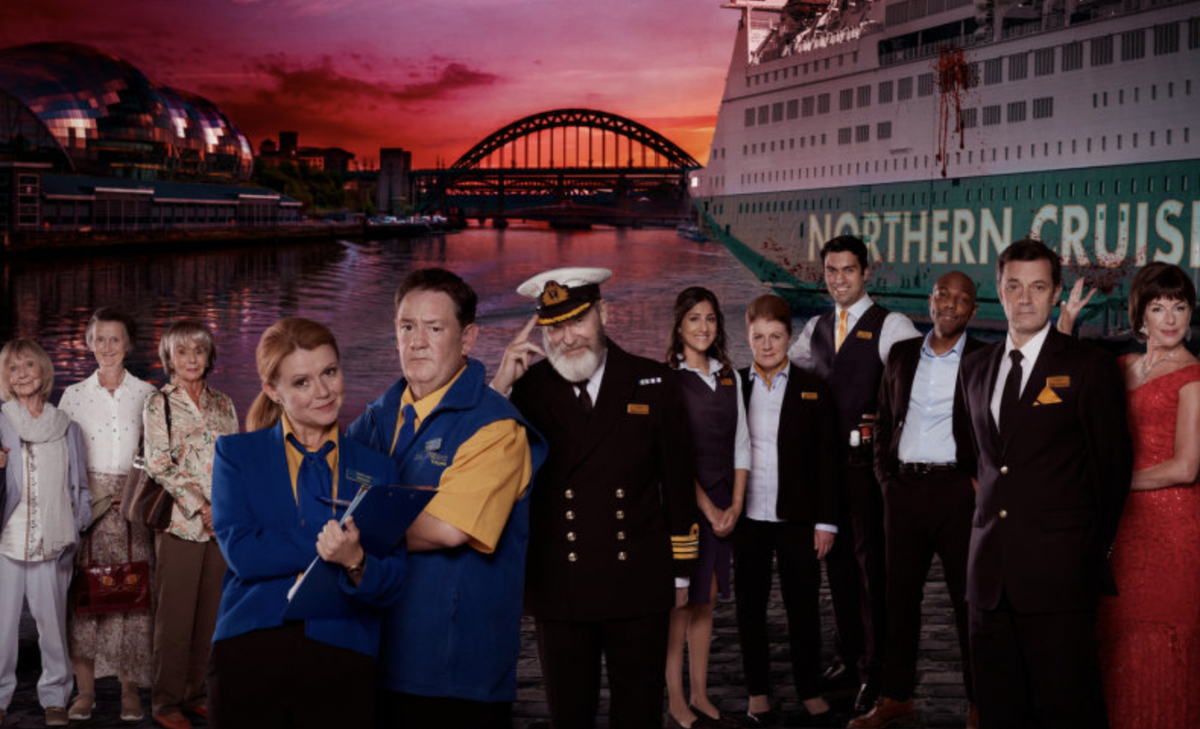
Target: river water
{"points": [[348, 285]]}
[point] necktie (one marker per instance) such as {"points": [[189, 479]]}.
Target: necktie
{"points": [[843, 319], [314, 481], [407, 429], [585, 399], [1012, 391]]}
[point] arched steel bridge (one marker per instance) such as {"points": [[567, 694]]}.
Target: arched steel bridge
{"points": [[575, 165]]}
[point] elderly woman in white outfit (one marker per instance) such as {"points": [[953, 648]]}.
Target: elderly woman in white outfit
{"points": [[108, 407], [46, 505]]}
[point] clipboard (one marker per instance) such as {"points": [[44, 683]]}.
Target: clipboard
{"points": [[382, 515]]}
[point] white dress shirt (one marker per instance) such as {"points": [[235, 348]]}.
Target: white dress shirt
{"points": [[111, 422], [896, 328], [1029, 354], [762, 488]]}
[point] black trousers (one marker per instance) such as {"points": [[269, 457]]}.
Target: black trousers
{"points": [[857, 567], [755, 543], [278, 678], [1038, 670], [635, 653], [924, 515], [409, 711]]}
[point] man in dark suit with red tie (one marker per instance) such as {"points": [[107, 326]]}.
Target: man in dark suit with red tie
{"points": [[1051, 451]]}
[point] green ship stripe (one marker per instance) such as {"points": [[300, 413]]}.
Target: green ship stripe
{"points": [[1105, 221]]}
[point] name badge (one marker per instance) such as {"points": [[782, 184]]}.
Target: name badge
{"points": [[809, 396], [637, 408], [358, 477], [1060, 381], [865, 335]]}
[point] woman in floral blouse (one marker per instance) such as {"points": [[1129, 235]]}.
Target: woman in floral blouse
{"points": [[190, 566]]}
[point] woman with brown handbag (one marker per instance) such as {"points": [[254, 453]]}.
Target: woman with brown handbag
{"points": [[108, 407], [189, 568], [46, 507]]}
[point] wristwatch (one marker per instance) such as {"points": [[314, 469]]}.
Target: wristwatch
{"points": [[356, 569]]}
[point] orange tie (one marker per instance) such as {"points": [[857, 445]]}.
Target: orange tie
{"points": [[843, 316]]}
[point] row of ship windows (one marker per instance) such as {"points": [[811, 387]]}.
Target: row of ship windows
{"points": [[1166, 40], [795, 71], [1088, 145], [1044, 191], [1100, 98], [1043, 108]]}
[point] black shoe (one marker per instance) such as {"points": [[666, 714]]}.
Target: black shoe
{"points": [[867, 695], [723, 720], [702, 721], [767, 718]]}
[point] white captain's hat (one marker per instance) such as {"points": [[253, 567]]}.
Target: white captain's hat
{"points": [[564, 293]]}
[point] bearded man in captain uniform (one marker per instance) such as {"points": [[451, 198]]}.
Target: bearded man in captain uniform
{"points": [[612, 528]]}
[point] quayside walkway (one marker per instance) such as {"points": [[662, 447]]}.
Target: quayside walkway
{"points": [[939, 695]]}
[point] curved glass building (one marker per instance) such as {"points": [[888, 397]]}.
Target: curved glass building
{"points": [[89, 112]]}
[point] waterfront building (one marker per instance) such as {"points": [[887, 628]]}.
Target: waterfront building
{"points": [[89, 144], [329, 159], [394, 192]]}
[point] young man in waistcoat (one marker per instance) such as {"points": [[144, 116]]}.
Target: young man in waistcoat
{"points": [[928, 498], [849, 347], [450, 645], [612, 529]]}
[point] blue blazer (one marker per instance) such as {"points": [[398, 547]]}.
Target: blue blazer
{"points": [[258, 529]]}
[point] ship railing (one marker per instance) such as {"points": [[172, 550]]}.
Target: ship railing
{"points": [[824, 40], [928, 50], [1050, 22]]}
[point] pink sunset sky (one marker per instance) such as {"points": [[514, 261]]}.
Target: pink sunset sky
{"points": [[433, 77]]}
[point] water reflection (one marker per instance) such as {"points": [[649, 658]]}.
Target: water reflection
{"points": [[349, 286]]}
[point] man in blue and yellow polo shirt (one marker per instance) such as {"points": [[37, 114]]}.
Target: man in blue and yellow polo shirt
{"points": [[450, 644]]}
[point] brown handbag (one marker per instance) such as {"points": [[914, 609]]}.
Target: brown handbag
{"points": [[112, 588], [144, 500]]}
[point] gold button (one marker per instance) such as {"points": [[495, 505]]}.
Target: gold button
{"points": [[621, 556], [620, 514], [569, 494], [620, 493], [572, 557], [1004, 513], [1004, 470], [570, 536], [620, 536], [570, 515]]}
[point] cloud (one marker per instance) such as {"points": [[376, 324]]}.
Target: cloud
{"points": [[333, 106], [322, 84]]}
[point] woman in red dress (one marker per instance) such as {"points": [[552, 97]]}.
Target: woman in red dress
{"points": [[1149, 635]]}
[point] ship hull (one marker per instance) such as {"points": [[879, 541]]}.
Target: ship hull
{"points": [[1105, 221]]}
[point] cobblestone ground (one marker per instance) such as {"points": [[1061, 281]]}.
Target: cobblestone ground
{"points": [[939, 695]]}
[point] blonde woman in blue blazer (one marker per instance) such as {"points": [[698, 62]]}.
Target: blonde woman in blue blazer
{"points": [[274, 495]]}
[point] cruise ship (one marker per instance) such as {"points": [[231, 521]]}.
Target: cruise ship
{"points": [[941, 130]]}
